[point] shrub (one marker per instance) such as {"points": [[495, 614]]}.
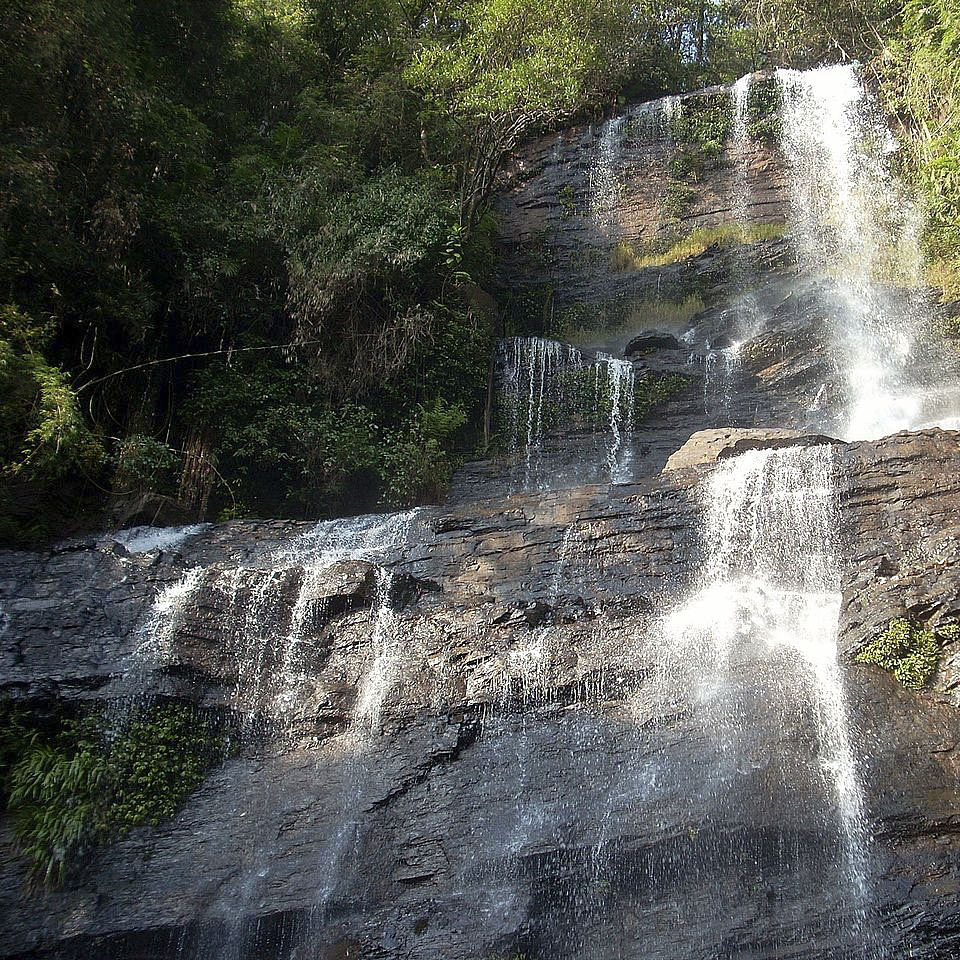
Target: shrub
{"points": [[44, 435], [85, 785], [417, 459], [908, 650], [145, 465]]}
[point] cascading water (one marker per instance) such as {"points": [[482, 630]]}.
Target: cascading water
{"points": [[536, 385], [769, 590], [854, 226], [621, 383], [546, 385], [268, 628], [722, 363], [769, 593], [605, 186], [271, 640]]}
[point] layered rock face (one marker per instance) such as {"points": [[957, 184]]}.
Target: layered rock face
{"points": [[541, 776], [597, 704]]}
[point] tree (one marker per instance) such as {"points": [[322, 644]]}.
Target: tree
{"points": [[496, 70]]}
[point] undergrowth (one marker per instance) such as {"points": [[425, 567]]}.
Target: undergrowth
{"points": [[72, 784]]}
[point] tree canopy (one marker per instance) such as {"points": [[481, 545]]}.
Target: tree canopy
{"points": [[243, 243]]}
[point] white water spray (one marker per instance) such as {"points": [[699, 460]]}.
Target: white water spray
{"points": [[770, 590], [605, 186], [854, 226]]}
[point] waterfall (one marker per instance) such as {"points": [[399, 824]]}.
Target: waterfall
{"points": [[269, 610], [147, 539], [605, 186], [722, 364], [769, 591], [268, 613], [621, 382], [854, 226], [545, 386]]}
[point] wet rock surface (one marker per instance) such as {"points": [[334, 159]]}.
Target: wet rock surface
{"points": [[533, 782]]}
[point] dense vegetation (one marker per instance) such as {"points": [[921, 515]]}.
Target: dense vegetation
{"points": [[909, 650], [71, 783], [246, 248]]}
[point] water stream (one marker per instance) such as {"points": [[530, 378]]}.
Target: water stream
{"points": [[546, 387], [855, 226]]}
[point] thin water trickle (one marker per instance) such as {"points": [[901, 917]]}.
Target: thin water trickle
{"points": [[269, 608], [621, 384], [605, 186], [545, 386], [537, 383]]}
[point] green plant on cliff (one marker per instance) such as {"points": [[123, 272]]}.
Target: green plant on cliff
{"points": [[678, 198], [922, 85], [700, 131], [650, 392], [566, 202], [908, 650], [763, 110], [85, 784]]}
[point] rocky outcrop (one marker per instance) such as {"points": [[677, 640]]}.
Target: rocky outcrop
{"points": [[709, 446], [541, 777], [570, 198]]}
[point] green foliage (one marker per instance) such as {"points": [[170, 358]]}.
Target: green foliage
{"points": [[806, 33], [700, 131], [565, 199], [86, 784], [910, 652], [627, 256], [652, 391], [145, 465], [43, 434], [678, 198], [922, 83], [516, 58], [763, 111], [416, 462]]}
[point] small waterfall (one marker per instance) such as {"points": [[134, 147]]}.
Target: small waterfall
{"points": [[537, 378], [379, 678], [269, 611], [769, 593], [653, 121], [545, 385], [269, 614], [720, 368], [621, 382], [722, 364], [854, 226]]}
